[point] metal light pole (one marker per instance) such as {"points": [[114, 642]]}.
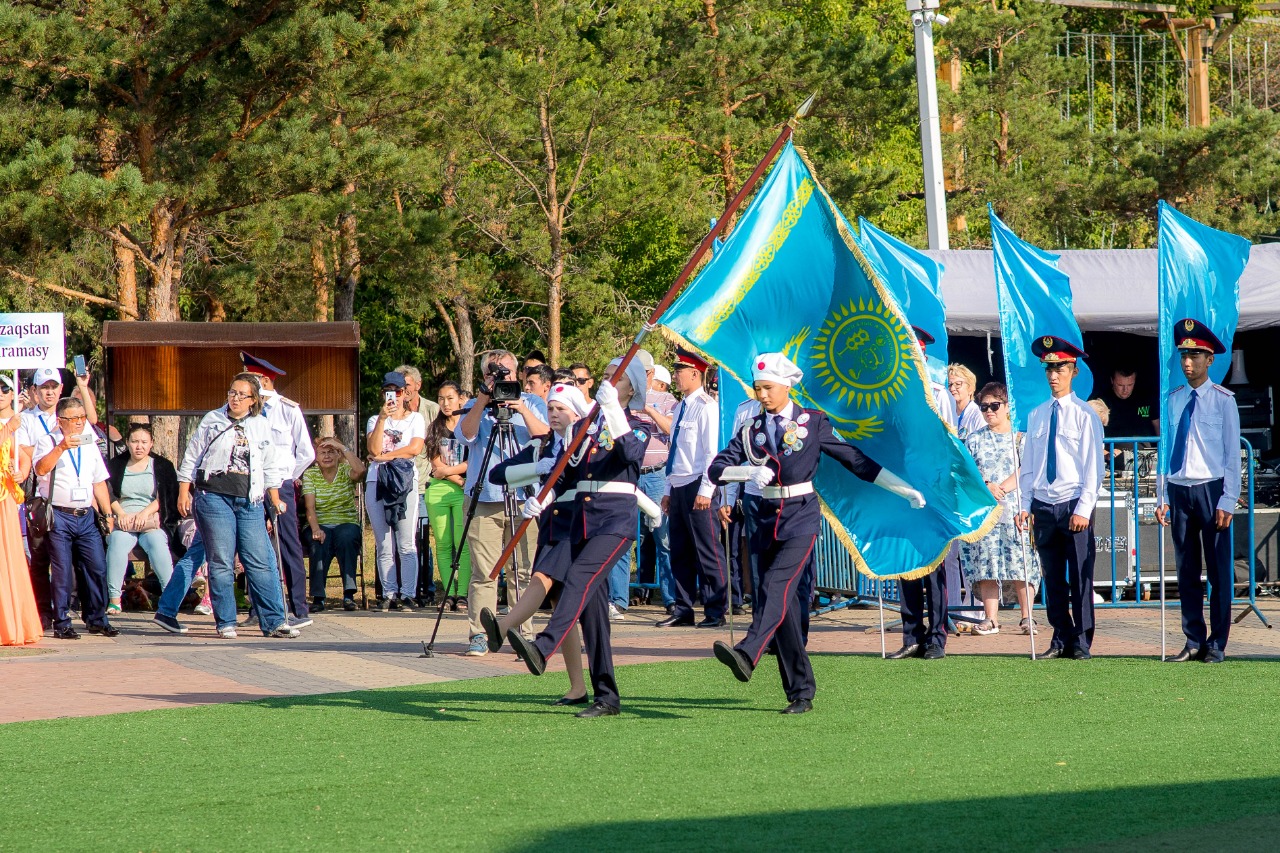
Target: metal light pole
{"points": [[923, 15]]}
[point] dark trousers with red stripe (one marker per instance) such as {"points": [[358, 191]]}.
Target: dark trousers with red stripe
{"points": [[783, 564], [584, 598], [696, 554]]}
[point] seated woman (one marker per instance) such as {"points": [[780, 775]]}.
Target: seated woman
{"points": [[329, 490], [144, 499]]}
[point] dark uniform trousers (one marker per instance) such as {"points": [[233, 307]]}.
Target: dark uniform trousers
{"points": [[75, 546], [759, 593], [295, 570], [1066, 561], [785, 564], [696, 553], [1197, 539], [929, 591], [584, 598], [40, 584]]}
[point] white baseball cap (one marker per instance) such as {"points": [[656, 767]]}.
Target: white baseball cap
{"points": [[45, 375], [661, 374]]}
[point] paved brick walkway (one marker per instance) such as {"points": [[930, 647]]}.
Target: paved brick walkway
{"points": [[146, 668]]}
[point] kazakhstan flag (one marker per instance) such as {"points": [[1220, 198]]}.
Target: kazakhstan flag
{"points": [[791, 279]]}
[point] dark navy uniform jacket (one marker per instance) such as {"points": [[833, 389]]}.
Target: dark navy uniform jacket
{"points": [[791, 518], [553, 523], [610, 459]]}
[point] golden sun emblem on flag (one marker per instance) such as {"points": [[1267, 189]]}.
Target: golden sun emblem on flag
{"points": [[861, 354]]}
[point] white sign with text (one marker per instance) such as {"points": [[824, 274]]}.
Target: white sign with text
{"points": [[31, 340]]}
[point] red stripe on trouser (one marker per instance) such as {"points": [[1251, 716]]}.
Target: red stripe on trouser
{"points": [[608, 561], [786, 598]]}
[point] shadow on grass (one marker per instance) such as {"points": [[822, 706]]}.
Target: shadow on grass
{"points": [[1149, 818]]}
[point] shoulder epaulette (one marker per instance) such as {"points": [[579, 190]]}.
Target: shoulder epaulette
{"points": [[1224, 390]]}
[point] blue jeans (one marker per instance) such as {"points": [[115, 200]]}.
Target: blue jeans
{"points": [[652, 485], [175, 589], [232, 526], [155, 544], [391, 540]]}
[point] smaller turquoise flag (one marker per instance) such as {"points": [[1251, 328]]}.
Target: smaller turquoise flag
{"points": [[1199, 271], [1035, 300], [915, 280]]}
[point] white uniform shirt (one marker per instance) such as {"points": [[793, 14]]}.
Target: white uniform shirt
{"points": [[945, 402], [696, 445], [744, 414], [289, 431], [78, 469], [1213, 440], [1079, 456]]}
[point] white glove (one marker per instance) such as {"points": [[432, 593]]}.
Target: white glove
{"points": [[607, 395], [544, 466], [891, 482], [614, 417], [652, 512], [533, 509], [761, 475], [522, 475]]}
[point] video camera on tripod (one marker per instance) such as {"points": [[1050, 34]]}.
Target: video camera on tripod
{"points": [[504, 390]]}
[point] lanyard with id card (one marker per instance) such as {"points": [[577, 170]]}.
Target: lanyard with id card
{"points": [[79, 492]]}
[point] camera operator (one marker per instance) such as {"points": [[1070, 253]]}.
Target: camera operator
{"points": [[490, 531]]}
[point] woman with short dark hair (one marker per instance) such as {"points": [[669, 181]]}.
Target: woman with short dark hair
{"points": [[144, 499]]}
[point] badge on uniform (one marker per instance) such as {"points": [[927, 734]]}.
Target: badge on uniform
{"points": [[803, 419], [802, 432], [640, 434], [79, 494], [592, 429], [759, 439]]}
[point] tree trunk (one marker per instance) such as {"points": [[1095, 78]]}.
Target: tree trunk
{"points": [[320, 279], [344, 306], [466, 343], [168, 245], [125, 267], [461, 334], [725, 154]]}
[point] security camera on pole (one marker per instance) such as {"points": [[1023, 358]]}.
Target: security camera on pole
{"points": [[923, 16]]}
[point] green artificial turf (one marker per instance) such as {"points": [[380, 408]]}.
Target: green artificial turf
{"points": [[984, 753]]}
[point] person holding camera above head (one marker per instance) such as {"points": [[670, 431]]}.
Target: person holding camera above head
{"points": [[604, 471], [498, 399], [394, 438], [72, 477], [234, 465]]}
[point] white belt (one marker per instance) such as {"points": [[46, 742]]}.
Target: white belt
{"points": [[606, 487], [775, 493], [567, 496]]}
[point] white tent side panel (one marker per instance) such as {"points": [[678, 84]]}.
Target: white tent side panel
{"points": [[1113, 290]]}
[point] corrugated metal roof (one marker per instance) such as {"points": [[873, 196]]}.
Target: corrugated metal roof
{"points": [[125, 333]]}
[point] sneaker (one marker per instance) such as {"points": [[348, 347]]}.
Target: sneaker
{"points": [[204, 610], [616, 615], [407, 603], [479, 646], [284, 631], [295, 623], [395, 604], [348, 603], [227, 633], [169, 624], [380, 605]]}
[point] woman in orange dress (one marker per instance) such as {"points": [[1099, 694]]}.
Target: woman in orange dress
{"points": [[19, 619]]}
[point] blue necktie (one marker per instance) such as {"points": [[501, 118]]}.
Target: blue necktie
{"points": [[675, 434], [777, 431], [1051, 462], [1183, 433]]}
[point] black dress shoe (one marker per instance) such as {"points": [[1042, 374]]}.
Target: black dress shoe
{"points": [[105, 629], [670, 608], [1214, 656], [1081, 654], [712, 622], [490, 624], [565, 700], [932, 652], [737, 662], [674, 621], [908, 650], [1187, 654], [528, 652], [1051, 653], [598, 709], [799, 706], [65, 634]]}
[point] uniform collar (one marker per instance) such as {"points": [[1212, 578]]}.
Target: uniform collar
{"points": [[1203, 389], [787, 413]]}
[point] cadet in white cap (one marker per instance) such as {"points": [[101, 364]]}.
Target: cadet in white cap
{"points": [[779, 451]]}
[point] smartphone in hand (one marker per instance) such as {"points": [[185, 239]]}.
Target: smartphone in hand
{"points": [[81, 370]]}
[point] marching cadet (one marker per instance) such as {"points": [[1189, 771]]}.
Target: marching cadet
{"points": [[928, 595], [291, 437], [604, 471], [1199, 495], [1059, 480], [783, 445], [692, 502]]}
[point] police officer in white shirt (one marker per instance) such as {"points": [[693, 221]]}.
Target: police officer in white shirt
{"points": [[1059, 480], [290, 435], [1199, 495], [691, 501], [69, 456]]}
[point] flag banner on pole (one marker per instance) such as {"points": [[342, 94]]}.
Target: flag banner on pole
{"points": [[915, 280], [1035, 300], [1199, 271], [791, 279]]}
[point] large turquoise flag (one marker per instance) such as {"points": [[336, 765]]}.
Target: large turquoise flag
{"points": [[1199, 271], [1035, 300], [915, 280], [790, 279]]}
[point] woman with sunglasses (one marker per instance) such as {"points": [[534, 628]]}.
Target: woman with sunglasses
{"points": [[999, 558], [233, 466]]}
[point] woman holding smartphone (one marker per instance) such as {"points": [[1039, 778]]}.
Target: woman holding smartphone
{"points": [[394, 434]]}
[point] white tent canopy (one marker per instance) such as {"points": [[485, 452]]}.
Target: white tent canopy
{"points": [[1113, 290]]}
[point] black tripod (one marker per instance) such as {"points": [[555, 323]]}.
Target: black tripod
{"points": [[503, 432]]}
